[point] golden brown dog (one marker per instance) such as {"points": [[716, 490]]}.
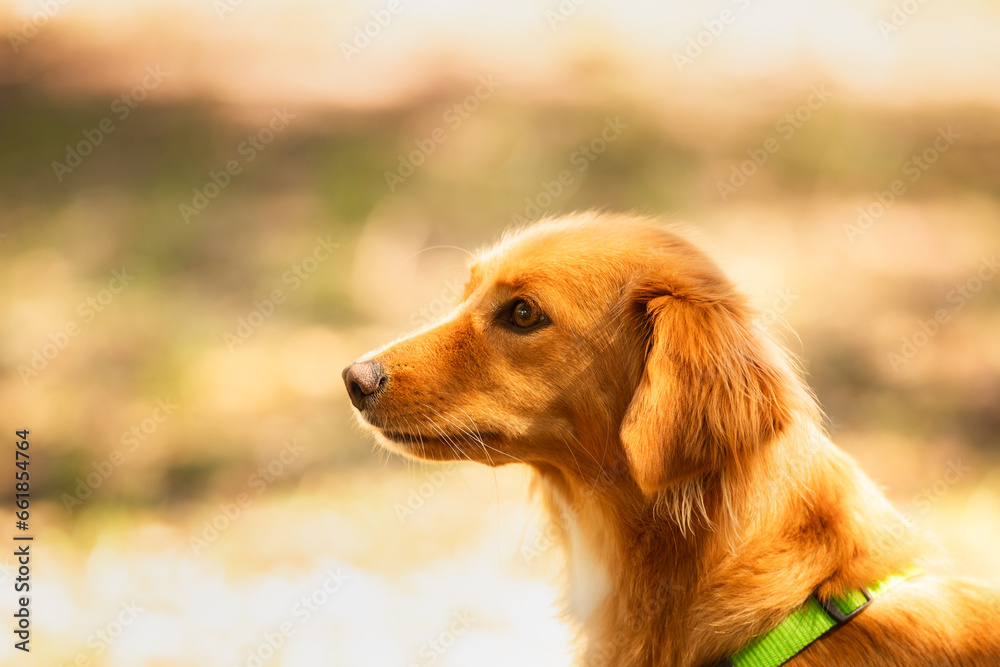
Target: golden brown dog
{"points": [[676, 448]]}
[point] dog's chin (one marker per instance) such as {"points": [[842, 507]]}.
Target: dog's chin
{"points": [[417, 446], [482, 447]]}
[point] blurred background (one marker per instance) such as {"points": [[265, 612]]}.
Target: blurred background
{"points": [[207, 209]]}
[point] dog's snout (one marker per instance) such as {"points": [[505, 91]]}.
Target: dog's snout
{"points": [[363, 380]]}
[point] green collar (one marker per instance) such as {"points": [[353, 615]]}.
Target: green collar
{"points": [[806, 624]]}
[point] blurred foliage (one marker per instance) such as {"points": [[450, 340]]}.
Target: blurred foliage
{"points": [[325, 176]]}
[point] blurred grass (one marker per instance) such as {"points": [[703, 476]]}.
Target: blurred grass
{"points": [[325, 176]]}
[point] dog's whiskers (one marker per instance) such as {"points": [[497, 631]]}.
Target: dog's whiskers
{"points": [[479, 436]]}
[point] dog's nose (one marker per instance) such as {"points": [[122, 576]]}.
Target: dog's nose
{"points": [[363, 379]]}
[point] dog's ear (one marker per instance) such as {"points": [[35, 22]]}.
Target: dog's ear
{"points": [[711, 388]]}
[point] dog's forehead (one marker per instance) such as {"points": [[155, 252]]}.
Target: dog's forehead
{"points": [[554, 252], [571, 270], [529, 271]]}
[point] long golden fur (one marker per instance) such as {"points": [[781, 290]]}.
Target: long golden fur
{"points": [[678, 452]]}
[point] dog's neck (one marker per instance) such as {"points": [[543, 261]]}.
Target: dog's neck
{"points": [[649, 589], [625, 564]]}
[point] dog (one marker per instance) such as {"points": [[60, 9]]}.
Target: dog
{"points": [[680, 456]]}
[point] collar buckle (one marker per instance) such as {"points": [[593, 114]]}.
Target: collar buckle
{"points": [[830, 607]]}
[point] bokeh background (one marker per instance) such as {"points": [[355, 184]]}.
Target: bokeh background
{"points": [[174, 332]]}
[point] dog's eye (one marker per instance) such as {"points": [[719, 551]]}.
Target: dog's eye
{"points": [[525, 315]]}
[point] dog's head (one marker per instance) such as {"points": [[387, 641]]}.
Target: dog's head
{"points": [[585, 344]]}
